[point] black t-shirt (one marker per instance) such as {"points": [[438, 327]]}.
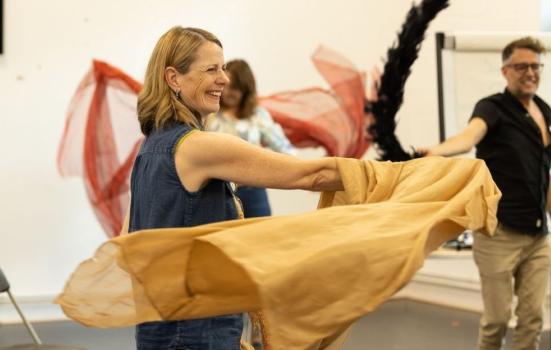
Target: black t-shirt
{"points": [[518, 161]]}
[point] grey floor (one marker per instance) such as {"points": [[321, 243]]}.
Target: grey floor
{"points": [[397, 325], [402, 324]]}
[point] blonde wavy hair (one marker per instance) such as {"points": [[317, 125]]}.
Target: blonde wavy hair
{"points": [[157, 103]]}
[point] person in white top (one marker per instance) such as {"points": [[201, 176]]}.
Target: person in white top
{"points": [[240, 115]]}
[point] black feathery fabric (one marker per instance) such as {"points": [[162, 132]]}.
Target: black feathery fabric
{"points": [[400, 58]]}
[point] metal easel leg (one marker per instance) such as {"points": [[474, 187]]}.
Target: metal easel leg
{"points": [[30, 328]]}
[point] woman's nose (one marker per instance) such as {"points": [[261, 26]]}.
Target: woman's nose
{"points": [[223, 78]]}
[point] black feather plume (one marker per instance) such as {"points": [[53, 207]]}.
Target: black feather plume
{"points": [[400, 58]]}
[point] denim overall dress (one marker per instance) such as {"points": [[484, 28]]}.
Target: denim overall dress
{"points": [[158, 200]]}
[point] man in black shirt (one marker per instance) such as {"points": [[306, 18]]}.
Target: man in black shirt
{"points": [[511, 131]]}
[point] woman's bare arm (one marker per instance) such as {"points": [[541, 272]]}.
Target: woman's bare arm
{"points": [[207, 155]]}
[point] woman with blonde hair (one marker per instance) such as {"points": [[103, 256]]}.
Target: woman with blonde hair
{"points": [[181, 175]]}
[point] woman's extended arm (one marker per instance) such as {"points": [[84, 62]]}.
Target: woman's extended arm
{"points": [[206, 155]]}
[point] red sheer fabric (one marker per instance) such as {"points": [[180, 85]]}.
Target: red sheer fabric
{"points": [[101, 139], [102, 136], [333, 119]]}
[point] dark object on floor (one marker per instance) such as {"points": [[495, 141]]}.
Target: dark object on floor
{"points": [[463, 242], [457, 245]]}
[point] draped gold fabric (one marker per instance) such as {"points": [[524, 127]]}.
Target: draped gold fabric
{"points": [[311, 274]]}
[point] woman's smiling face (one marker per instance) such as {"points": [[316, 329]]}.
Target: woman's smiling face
{"points": [[201, 87]]}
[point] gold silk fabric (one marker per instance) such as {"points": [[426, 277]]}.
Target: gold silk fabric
{"points": [[311, 274]]}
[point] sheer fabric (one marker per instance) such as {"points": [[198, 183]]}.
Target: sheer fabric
{"points": [[101, 140], [331, 118], [311, 274], [102, 136]]}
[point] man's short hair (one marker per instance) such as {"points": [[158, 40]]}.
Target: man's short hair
{"points": [[523, 43]]}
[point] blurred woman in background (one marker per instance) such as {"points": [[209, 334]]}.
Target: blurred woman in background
{"points": [[240, 115]]}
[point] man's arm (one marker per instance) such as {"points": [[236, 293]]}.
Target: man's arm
{"points": [[460, 143]]}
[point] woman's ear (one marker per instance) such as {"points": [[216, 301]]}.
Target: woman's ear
{"points": [[171, 77]]}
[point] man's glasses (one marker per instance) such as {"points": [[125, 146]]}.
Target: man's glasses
{"points": [[523, 67]]}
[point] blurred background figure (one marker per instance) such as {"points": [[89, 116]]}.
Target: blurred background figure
{"points": [[240, 115]]}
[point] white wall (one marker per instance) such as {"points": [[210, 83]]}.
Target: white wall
{"points": [[46, 224], [546, 15]]}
